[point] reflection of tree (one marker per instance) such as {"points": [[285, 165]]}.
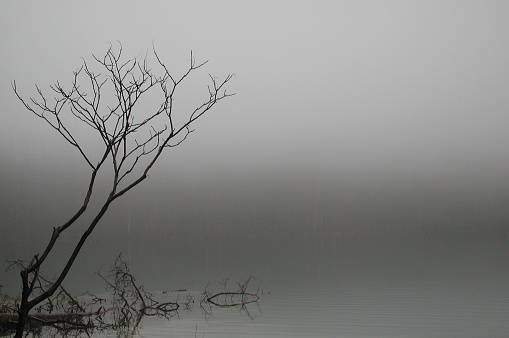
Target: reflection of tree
{"points": [[122, 309], [245, 293]]}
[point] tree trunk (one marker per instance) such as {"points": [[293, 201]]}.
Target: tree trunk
{"points": [[22, 319]]}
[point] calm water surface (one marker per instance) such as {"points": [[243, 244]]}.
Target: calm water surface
{"points": [[424, 288]]}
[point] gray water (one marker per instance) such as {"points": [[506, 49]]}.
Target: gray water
{"points": [[318, 284], [364, 262], [364, 287]]}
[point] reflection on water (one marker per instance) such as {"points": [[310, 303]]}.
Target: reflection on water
{"points": [[456, 287], [322, 281], [352, 258]]}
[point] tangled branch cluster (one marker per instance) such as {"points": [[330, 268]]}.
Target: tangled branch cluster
{"points": [[122, 309]]}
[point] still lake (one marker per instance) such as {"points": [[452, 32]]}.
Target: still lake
{"points": [[315, 281], [329, 286]]}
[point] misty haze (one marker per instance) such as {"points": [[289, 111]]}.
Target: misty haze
{"points": [[360, 172]]}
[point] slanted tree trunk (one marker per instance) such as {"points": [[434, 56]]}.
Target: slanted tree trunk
{"points": [[133, 139]]}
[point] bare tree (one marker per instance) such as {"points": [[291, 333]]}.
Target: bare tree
{"points": [[131, 138]]}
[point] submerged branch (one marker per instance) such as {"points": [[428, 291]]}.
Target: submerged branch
{"points": [[122, 309]]}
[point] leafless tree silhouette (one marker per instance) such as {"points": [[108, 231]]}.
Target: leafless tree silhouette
{"points": [[132, 138]]}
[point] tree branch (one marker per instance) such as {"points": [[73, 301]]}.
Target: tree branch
{"points": [[133, 137]]}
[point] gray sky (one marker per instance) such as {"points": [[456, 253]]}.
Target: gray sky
{"points": [[368, 114], [370, 88]]}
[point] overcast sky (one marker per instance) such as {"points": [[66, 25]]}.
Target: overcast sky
{"points": [[374, 87], [369, 114]]}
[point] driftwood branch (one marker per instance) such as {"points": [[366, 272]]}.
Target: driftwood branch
{"points": [[123, 308]]}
